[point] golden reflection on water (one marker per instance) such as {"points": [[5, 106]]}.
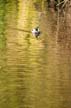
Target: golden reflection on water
{"points": [[34, 72]]}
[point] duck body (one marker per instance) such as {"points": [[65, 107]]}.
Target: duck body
{"points": [[36, 32]]}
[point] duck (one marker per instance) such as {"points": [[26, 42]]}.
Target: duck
{"points": [[36, 32]]}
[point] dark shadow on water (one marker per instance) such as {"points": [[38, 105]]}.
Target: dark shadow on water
{"points": [[37, 6]]}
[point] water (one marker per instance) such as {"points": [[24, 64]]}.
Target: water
{"points": [[34, 73]]}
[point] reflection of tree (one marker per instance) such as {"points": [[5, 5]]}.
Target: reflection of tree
{"points": [[2, 25], [2, 35], [63, 12], [57, 3]]}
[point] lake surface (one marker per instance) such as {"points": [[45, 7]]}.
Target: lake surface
{"points": [[34, 73]]}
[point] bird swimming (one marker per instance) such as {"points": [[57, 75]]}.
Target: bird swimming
{"points": [[36, 32]]}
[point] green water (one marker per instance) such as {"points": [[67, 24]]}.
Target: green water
{"points": [[34, 73]]}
